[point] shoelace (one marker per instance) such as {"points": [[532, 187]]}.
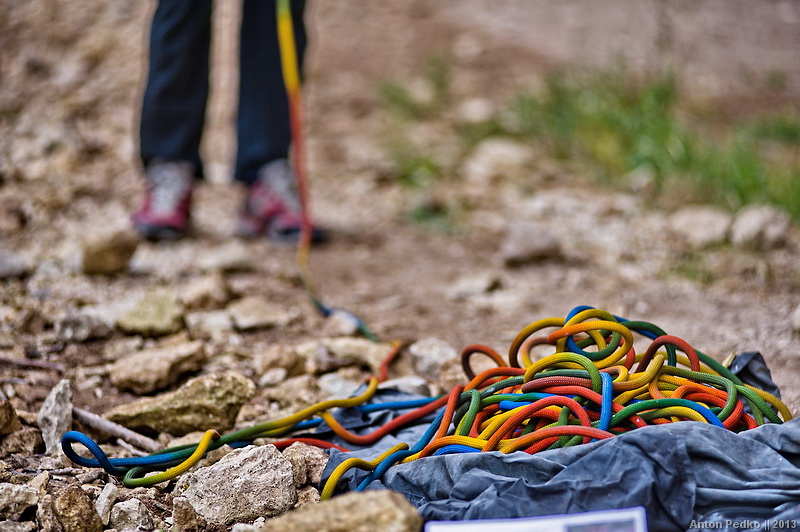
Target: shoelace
{"points": [[169, 183]]}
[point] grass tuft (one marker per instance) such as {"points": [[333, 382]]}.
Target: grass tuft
{"points": [[634, 133], [623, 127]]}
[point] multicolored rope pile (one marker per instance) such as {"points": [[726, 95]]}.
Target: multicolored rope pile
{"points": [[593, 385]]}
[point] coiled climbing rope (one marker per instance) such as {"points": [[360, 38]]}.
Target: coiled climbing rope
{"points": [[586, 390], [594, 385]]}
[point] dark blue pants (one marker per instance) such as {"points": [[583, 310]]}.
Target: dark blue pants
{"points": [[174, 106]]}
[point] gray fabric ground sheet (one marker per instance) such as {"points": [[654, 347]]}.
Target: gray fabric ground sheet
{"points": [[677, 472]]}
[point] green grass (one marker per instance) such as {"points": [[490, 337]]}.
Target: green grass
{"points": [[413, 166], [778, 128], [622, 126], [435, 216], [417, 166], [622, 129], [401, 101], [398, 98], [692, 266]]}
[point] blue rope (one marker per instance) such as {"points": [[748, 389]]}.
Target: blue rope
{"points": [[455, 448], [393, 458], [608, 400], [119, 466]]}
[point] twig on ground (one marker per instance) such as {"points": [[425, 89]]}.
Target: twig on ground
{"points": [[130, 448], [114, 429], [31, 364]]}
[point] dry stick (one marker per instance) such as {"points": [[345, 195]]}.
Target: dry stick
{"points": [[114, 429], [130, 448], [31, 364]]}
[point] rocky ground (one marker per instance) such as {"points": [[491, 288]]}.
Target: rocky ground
{"points": [[92, 320]]}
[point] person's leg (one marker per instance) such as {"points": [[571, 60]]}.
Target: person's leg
{"points": [[263, 127], [173, 114], [174, 104], [272, 207]]}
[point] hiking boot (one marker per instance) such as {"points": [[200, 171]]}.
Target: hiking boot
{"points": [[165, 210], [272, 206]]}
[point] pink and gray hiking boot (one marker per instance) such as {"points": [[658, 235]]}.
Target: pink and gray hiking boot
{"points": [[165, 210], [272, 206]]}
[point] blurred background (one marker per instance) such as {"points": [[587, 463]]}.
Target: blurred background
{"points": [[694, 94]]}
